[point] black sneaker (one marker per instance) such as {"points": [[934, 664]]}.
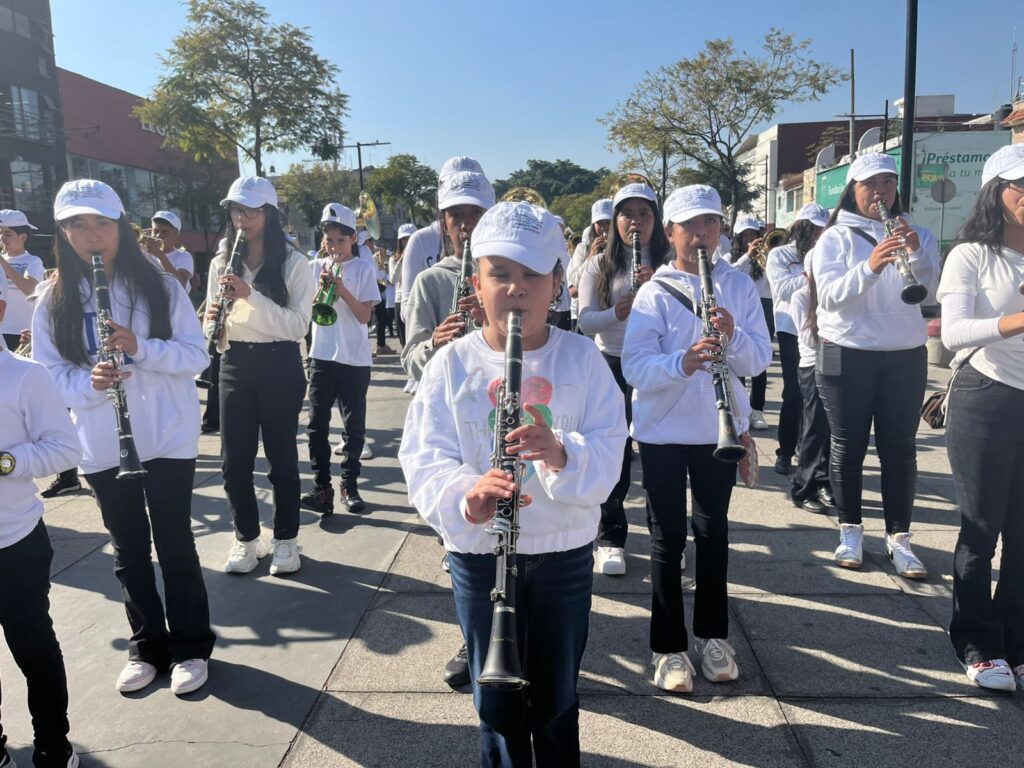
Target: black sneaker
{"points": [[783, 465], [209, 429], [352, 500], [456, 671], [826, 497], [320, 499], [65, 482], [6, 761]]}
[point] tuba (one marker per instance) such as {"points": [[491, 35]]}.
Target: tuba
{"points": [[773, 239], [525, 195], [367, 216]]}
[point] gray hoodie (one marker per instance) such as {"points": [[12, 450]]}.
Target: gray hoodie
{"points": [[427, 305]]}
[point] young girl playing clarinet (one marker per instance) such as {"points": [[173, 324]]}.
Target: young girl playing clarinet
{"points": [[270, 289], [675, 419], [154, 330], [573, 431]]}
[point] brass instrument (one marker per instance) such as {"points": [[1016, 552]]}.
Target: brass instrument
{"points": [[367, 216], [525, 195], [913, 292], [130, 465], [147, 238], [25, 348], [729, 450], [628, 178], [324, 312], [773, 239], [502, 667]]}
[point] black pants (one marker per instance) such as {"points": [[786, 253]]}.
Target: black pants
{"points": [[166, 490], [560, 320], [12, 340], [399, 323], [711, 481], [792, 400], [985, 420], [25, 618], [612, 530], [211, 415], [859, 387], [380, 312], [261, 390], [346, 385], [759, 384], [815, 436]]}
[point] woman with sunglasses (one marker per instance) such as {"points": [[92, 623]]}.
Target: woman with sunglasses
{"points": [[270, 289]]}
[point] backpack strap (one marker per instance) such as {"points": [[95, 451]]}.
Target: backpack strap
{"points": [[863, 234], [678, 295]]}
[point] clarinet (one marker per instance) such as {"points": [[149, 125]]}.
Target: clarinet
{"points": [[130, 465], [215, 327], [463, 289], [729, 449], [913, 292], [502, 667], [637, 261]]}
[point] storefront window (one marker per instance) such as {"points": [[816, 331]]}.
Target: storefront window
{"points": [[29, 182]]}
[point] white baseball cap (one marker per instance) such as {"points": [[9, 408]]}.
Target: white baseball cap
{"points": [[87, 196], [745, 221], [11, 218], [406, 230], [693, 200], [339, 214], [465, 188], [870, 164], [363, 237], [636, 189], [522, 232], [170, 217], [601, 210], [1005, 163], [458, 164], [813, 213], [252, 192]]}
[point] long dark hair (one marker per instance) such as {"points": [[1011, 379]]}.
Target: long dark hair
{"points": [[270, 279], [131, 267], [985, 223], [617, 257], [802, 234], [739, 247], [847, 202]]}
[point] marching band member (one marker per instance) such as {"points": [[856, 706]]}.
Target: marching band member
{"points": [[380, 310], [21, 273], [872, 363], [982, 319], [784, 269], [744, 248], [595, 238], [174, 259], [561, 306], [340, 362], [605, 298], [271, 302], [573, 429], [395, 266], [37, 439], [675, 420], [155, 326]]}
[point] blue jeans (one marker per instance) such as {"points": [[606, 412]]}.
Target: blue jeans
{"points": [[553, 611]]}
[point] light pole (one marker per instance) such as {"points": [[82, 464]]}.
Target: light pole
{"points": [[359, 151]]}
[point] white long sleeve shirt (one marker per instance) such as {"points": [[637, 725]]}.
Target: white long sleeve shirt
{"points": [[36, 429], [422, 251], [856, 307], [669, 407], [448, 439], [258, 318], [598, 321], [785, 270], [799, 303], [18, 315], [161, 391]]}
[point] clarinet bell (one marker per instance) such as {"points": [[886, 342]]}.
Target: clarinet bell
{"points": [[914, 293], [502, 668]]}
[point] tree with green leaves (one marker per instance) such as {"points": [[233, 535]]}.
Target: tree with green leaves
{"points": [[404, 181], [552, 179], [309, 189], [236, 82], [700, 110]]}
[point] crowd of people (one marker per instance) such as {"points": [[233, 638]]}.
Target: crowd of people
{"points": [[647, 334]]}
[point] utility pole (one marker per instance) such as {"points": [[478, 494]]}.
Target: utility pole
{"points": [[853, 110], [909, 108], [359, 152]]}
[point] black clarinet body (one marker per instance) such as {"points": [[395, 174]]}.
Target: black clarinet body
{"points": [[729, 449], [637, 261], [129, 464], [215, 327], [463, 289], [502, 667]]}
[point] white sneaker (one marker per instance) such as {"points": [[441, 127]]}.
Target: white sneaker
{"points": [[718, 660], [757, 420], [188, 676], [850, 552], [367, 453], [897, 547], [1018, 675], [673, 672], [994, 674], [135, 676], [611, 561], [339, 449], [286, 556], [246, 555]]}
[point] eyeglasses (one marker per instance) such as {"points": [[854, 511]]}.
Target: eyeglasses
{"points": [[241, 211]]}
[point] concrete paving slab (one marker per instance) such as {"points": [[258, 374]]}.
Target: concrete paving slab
{"points": [[867, 646], [982, 730], [418, 564]]}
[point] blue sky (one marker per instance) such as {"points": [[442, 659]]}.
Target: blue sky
{"points": [[506, 82]]}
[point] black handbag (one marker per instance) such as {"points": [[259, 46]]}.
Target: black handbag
{"points": [[933, 412]]}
